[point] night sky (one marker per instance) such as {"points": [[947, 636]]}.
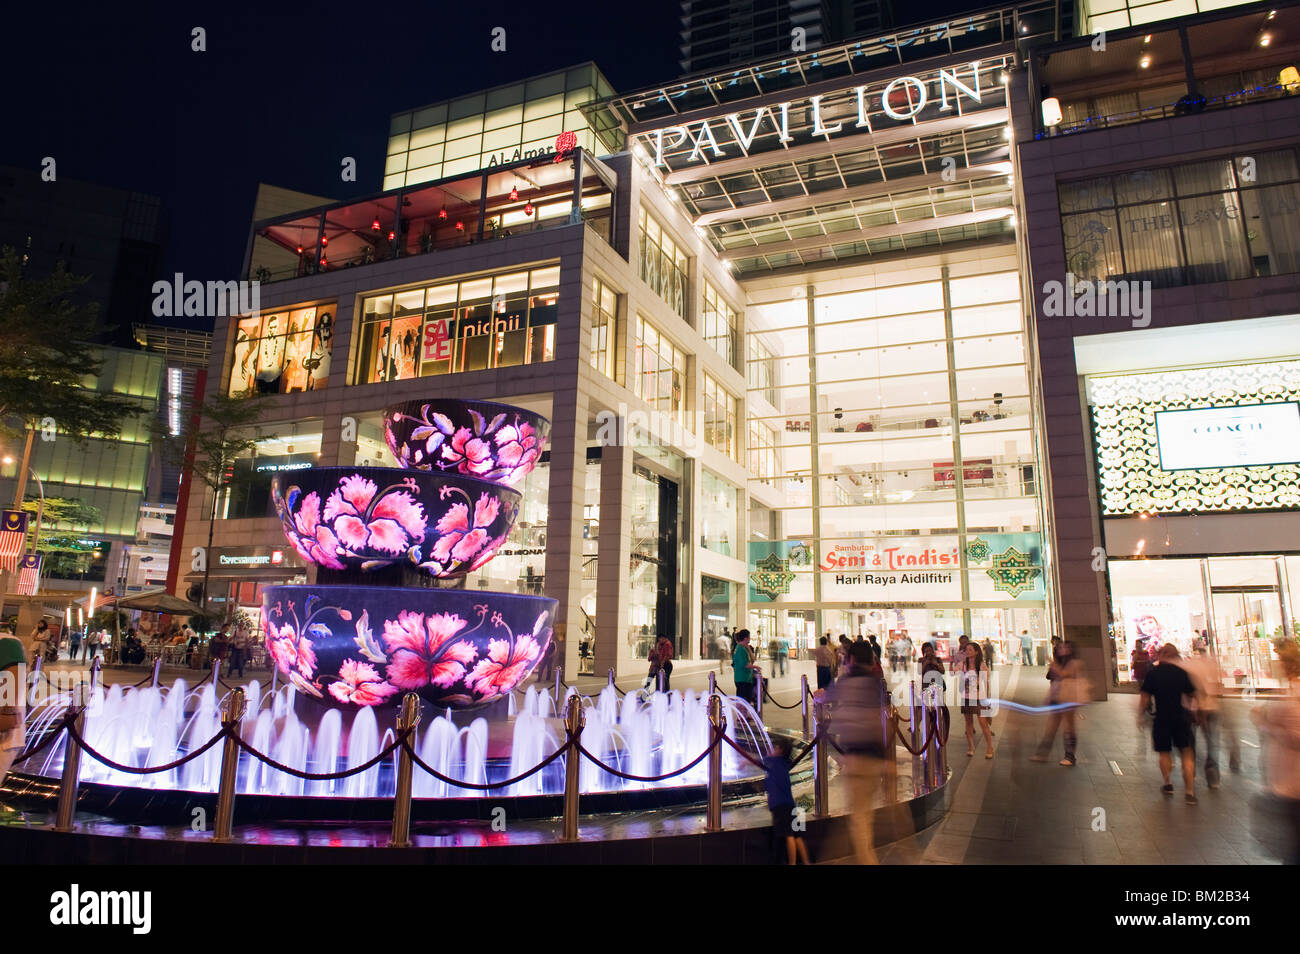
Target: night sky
{"points": [[116, 95]]}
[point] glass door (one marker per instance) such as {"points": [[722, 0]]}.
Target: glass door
{"points": [[1247, 620]]}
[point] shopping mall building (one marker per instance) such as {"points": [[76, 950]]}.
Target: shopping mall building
{"points": [[806, 336]]}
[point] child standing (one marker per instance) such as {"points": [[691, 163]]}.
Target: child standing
{"points": [[780, 802]]}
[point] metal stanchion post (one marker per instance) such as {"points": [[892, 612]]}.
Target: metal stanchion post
{"points": [[758, 694], [573, 721], [407, 719], [559, 681], [611, 676], [717, 724], [95, 674], [225, 820], [67, 809], [804, 709], [821, 764], [660, 677], [931, 745], [157, 668], [36, 666], [713, 682], [941, 763], [216, 673]]}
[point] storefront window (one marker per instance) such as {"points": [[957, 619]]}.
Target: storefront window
{"points": [[604, 327], [1230, 606], [659, 372], [520, 564], [283, 352], [1211, 221], [719, 611], [496, 322], [662, 264], [289, 447], [720, 324], [719, 418], [719, 514]]}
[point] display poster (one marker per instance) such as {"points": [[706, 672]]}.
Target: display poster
{"points": [[1153, 621]]}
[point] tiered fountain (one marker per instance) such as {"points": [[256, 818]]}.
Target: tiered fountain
{"points": [[385, 618]]}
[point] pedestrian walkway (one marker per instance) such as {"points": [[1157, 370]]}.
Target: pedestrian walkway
{"points": [[1108, 809]]}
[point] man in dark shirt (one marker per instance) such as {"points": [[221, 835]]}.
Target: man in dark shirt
{"points": [[1169, 685]]}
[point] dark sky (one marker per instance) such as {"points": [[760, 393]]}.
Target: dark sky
{"points": [[115, 94]]}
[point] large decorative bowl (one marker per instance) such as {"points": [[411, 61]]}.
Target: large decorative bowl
{"points": [[366, 645], [367, 518], [496, 442]]}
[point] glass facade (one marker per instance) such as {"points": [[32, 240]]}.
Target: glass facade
{"points": [[720, 418], [604, 328], [247, 491], [494, 322], [1219, 220], [659, 372], [497, 126], [662, 263], [720, 326], [719, 514], [283, 352], [860, 511]]}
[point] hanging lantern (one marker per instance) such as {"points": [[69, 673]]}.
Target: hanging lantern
{"points": [[442, 213], [460, 226], [391, 236], [299, 249], [1051, 111], [323, 263], [375, 226], [514, 194], [528, 208], [324, 240]]}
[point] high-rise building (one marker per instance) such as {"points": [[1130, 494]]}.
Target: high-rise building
{"points": [[721, 33]]}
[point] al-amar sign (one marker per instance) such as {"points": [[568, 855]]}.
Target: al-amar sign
{"points": [[745, 127]]}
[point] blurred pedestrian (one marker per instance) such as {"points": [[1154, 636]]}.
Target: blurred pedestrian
{"points": [[1141, 663], [743, 668], [932, 678], [546, 669], [1206, 677], [219, 647], [1067, 690], [1170, 688], [666, 652], [973, 686], [13, 700], [1026, 648], [780, 802], [875, 647], [825, 659], [40, 640], [74, 645], [1279, 724], [856, 701], [990, 658]]}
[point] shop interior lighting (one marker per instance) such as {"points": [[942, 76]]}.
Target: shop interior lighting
{"points": [[1145, 62], [1265, 39]]}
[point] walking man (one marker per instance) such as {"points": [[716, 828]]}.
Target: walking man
{"points": [[1169, 686], [1026, 648], [856, 699]]}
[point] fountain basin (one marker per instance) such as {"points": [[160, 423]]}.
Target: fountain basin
{"points": [[369, 518], [497, 442], [360, 646]]}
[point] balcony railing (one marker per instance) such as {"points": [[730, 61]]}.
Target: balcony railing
{"points": [[514, 199], [1184, 107]]}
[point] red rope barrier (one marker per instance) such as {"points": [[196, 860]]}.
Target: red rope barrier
{"points": [[654, 778], [324, 776], [475, 786], [49, 739], [153, 769]]}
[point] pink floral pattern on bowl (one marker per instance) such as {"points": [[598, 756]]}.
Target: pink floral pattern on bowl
{"points": [[363, 525], [457, 648], [502, 445]]}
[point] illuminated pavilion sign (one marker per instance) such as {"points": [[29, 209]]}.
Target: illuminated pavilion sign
{"points": [[902, 98]]}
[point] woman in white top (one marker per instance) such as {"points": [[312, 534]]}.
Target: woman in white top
{"points": [[973, 684]]}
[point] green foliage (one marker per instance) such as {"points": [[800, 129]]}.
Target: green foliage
{"points": [[46, 356]]}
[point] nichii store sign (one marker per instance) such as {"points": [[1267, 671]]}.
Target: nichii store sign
{"points": [[900, 99]]}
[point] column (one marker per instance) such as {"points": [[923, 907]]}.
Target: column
{"points": [[615, 549]]}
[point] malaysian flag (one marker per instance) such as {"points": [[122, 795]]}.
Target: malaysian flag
{"points": [[29, 575], [13, 537]]}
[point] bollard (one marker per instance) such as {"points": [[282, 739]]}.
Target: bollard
{"points": [[407, 719], [758, 694], [718, 723], [611, 676], [804, 710], [225, 820], [574, 718], [157, 668], [216, 673], [67, 810], [821, 763]]}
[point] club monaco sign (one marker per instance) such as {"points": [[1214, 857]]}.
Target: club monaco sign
{"points": [[902, 98]]}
